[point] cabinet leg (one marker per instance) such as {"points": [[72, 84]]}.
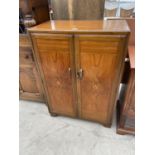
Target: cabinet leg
{"points": [[120, 132], [53, 114], [107, 124]]}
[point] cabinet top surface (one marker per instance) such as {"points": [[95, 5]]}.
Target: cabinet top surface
{"points": [[113, 26]]}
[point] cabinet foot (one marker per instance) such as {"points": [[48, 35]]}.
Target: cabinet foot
{"points": [[53, 114], [123, 131], [108, 125]]}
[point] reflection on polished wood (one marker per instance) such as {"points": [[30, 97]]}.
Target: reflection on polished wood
{"points": [[82, 26]]}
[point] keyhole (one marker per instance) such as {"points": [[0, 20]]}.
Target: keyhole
{"points": [[27, 56]]}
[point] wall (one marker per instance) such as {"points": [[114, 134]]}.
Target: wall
{"points": [[77, 9]]}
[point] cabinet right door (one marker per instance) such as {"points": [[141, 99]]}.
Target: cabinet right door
{"points": [[99, 61]]}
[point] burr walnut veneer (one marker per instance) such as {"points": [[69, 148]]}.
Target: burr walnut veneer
{"points": [[81, 64]]}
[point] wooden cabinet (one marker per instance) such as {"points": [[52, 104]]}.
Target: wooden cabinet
{"points": [[29, 80], [81, 66], [126, 107]]}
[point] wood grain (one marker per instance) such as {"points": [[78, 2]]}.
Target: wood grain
{"points": [[55, 55], [126, 115], [126, 118], [98, 56], [29, 79], [30, 88], [131, 52], [99, 49], [24, 41], [131, 23], [25, 56], [81, 26]]}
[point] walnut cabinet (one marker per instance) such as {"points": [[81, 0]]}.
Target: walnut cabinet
{"points": [[81, 65]]}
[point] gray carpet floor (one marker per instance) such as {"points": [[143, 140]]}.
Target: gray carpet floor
{"points": [[41, 134]]}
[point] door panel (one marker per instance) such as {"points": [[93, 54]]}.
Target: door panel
{"points": [[56, 62], [30, 83], [28, 80], [98, 57], [25, 56]]}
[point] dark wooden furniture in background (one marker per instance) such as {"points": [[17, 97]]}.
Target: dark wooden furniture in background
{"points": [[37, 8], [32, 12], [29, 79], [126, 116], [81, 64], [126, 106]]}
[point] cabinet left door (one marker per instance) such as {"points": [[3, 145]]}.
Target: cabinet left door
{"points": [[54, 54], [29, 80]]}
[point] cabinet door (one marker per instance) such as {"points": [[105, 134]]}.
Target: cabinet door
{"points": [[30, 88], [98, 60], [55, 58]]}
